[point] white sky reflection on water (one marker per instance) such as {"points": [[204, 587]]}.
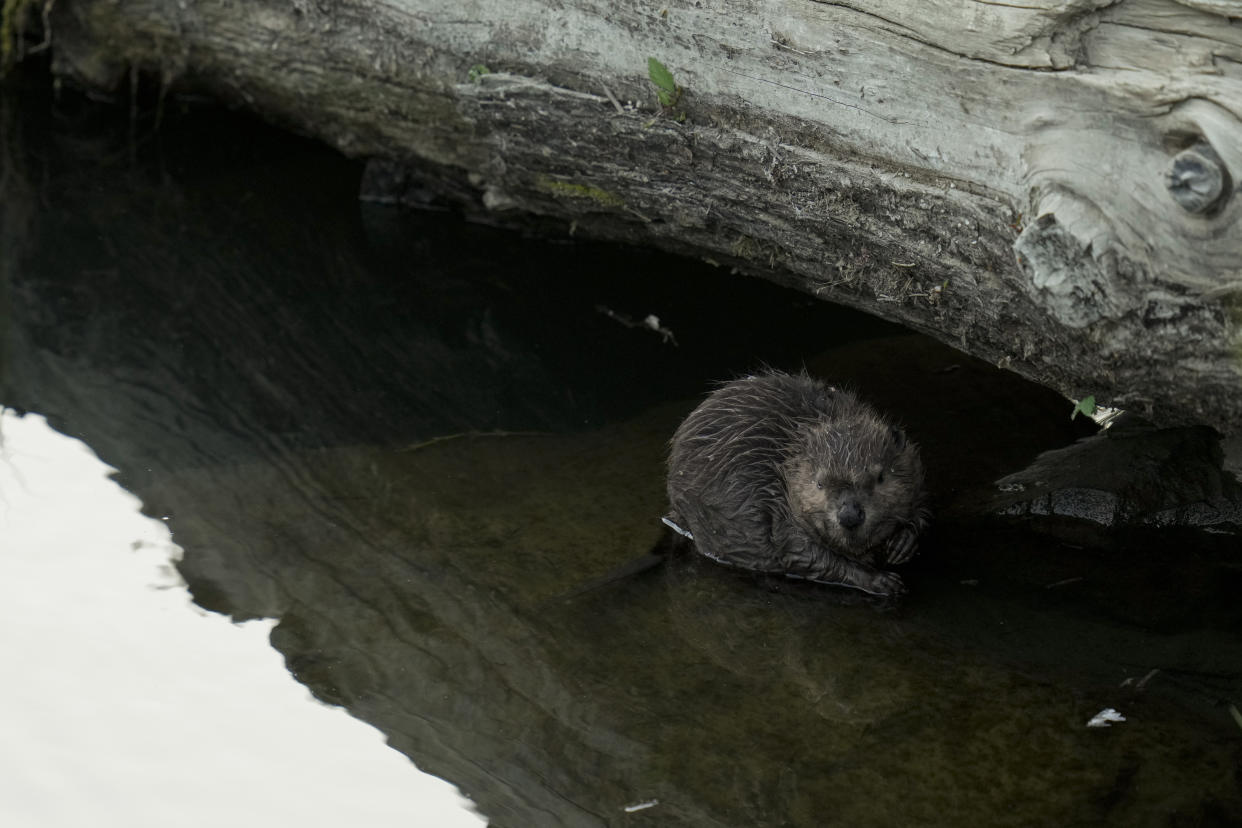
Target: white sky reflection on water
{"points": [[123, 704]]}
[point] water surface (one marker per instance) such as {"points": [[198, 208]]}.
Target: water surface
{"points": [[125, 706], [402, 440]]}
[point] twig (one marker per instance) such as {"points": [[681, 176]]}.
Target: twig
{"points": [[443, 438], [641, 806], [620, 109]]}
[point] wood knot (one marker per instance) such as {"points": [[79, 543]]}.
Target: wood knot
{"points": [[1197, 178]]}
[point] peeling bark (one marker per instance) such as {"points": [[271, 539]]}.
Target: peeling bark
{"points": [[1051, 186]]}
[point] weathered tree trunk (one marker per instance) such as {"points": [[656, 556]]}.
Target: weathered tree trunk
{"points": [[1052, 186]]}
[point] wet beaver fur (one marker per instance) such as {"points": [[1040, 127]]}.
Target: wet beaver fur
{"points": [[783, 473]]}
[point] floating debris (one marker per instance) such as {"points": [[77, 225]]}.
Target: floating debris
{"points": [[1066, 582], [1141, 682], [641, 806], [1105, 718], [651, 322]]}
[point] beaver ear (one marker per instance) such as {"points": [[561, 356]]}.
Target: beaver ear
{"points": [[899, 438]]}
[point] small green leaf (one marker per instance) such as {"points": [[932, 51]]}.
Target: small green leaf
{"points": [[666, 87], [1237, 717], [476, 72], [660, 76], [1085, 406]]}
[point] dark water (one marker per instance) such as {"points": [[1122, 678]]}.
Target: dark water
{"points": [[405, 438]]}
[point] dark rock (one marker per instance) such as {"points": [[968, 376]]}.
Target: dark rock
{"points": [[1130, 474]]}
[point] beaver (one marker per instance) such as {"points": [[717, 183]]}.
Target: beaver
{"points": [[783, 473]]}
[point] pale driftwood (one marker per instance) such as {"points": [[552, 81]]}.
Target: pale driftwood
{"points": [[1052, 186]]}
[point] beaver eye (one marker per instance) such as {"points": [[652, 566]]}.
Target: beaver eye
{"points": [[819, 484]]}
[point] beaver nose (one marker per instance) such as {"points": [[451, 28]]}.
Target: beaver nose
{"points": [[851, 514]]}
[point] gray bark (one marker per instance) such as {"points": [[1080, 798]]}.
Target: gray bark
{"points": [[1051, 186]]}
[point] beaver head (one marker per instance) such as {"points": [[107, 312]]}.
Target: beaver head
{"points": [[853, 482]]}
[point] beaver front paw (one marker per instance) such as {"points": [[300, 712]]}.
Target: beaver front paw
{"points": [[887, 584], [901, 546]]}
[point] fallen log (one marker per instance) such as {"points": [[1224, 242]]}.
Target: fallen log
{"points": [[1051, 186]]}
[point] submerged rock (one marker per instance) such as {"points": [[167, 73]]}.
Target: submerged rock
{"points": [[1131, 474]]}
